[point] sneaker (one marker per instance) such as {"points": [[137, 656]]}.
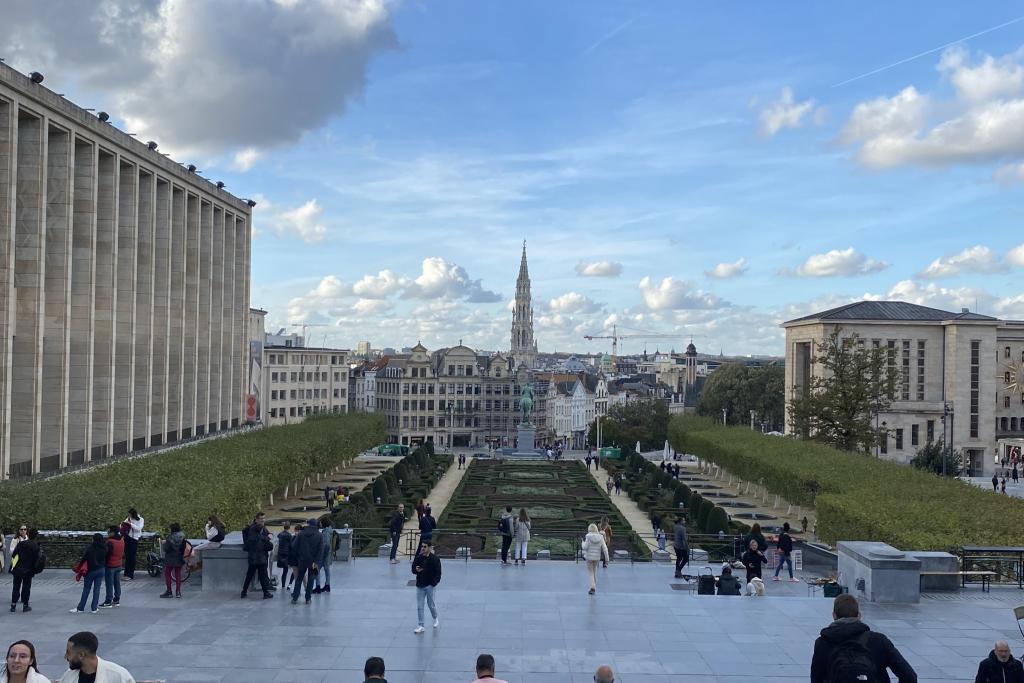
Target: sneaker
{"points": [[242, 596], [394, 561], [26, 608], [327, 588], [309, 600], [116, 604], [168, 594], [295, 601], [178, 595], [106, 605], [268, 596], [93, 611], [437, 623], [75, 610], [591, 591], [14, 607], [317, 590], [419, 629], [775, 578], [794, 580], [127, 578]]}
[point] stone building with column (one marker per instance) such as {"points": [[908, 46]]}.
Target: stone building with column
{"points": [[124, 289]]}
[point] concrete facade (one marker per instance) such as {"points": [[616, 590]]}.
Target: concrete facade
{"points": [[124, 286], [961, 376]]}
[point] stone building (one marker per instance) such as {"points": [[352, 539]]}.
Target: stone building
{"points": [[124, 289], [961, 376]]}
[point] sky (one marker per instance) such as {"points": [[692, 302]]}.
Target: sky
{"points": [[705, 170]]}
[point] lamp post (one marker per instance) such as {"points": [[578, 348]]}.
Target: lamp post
{"points": [[878, 434], [724, 412], [947, 449], [752, 413]]}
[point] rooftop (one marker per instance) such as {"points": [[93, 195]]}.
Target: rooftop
{"points": [[890, 310]]}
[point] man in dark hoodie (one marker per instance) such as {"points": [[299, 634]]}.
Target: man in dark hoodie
{"points": [[847, 649], [395, 530], [1000, 666], [680, 546], [506, 525], [257, 546], [427, 568], [308, 546]]}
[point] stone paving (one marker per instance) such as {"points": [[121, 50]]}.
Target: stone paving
{"points": [[536, 620]]}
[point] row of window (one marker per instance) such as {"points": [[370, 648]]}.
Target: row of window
{"points": [[302, 411], [316, 376], [303, 359], [457, 405], [1011, 424], [915, 436], [1007, 353], [284, 394]]}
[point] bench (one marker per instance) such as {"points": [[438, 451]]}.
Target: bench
{"points": [[985, 576]]}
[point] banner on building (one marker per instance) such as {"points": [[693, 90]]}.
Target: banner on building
{"points": [[252, 400]]}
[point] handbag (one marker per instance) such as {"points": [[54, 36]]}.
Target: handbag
{"points": [[80, 568]]}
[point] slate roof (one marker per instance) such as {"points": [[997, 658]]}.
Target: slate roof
{"points": [[890, 310]]}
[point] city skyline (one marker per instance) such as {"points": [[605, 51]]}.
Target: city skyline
{"points": [[689, 171]]}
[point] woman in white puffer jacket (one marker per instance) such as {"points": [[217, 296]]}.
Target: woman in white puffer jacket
{"points": [[594, 550]]}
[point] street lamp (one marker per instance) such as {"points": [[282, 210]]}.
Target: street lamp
{"points": [[752, 413], [724, 411], [947, 411], [878, 434]]}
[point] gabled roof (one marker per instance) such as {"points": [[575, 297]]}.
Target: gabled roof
{"points": [[889, 310]]}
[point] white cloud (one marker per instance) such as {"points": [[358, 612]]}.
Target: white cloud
{"points": [[1009, 174], [784, 112], [303, 222], [314, 304], [440, 279], [598, 269], [1015, 256], [673, 294], [985, 122], [205, 76], [379, 286], [838, 263], [945, 298], [246, 158], [727, 270], [573, 302], [976, 259], [371, 307]]}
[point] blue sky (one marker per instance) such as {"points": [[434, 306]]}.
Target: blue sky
{"points": [[700, 170]]}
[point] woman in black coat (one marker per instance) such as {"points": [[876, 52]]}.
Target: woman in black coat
{"points": [[752, 560], [27, 555], [95, 560]]}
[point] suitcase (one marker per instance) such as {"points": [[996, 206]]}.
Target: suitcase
{"points": [[705, 581]]}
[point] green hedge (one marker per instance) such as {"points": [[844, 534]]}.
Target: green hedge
{"points": [[858, 497], [227, 477]]}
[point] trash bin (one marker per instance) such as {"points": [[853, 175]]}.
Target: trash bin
{"points": [[344, 544]]}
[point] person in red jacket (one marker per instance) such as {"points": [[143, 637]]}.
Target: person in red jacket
{"points": [[115, 563]]}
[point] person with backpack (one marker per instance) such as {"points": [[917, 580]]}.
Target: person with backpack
{"points": [[594, 550], [1000, 666], [307, 547], [27, 560], [94, 562], [680, 545], [284, 549], [785, 546], [506, 527], [112, 574], [131, 532], [174, 559], [427, 525], [848, 651]]}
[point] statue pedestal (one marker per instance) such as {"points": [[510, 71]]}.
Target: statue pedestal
{"points": [[526, 435]]}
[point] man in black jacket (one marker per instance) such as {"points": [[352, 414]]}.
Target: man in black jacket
{"points": [[27, 555], [680, 545], [1000, 666], [308, 546], [257, 546], [395, 529], [849, 634], [427, 568], [785, 549]]}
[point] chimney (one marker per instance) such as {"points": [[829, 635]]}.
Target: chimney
{"points": [[965, 310]]}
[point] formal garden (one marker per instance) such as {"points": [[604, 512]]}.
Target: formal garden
{"points": [[560, 497], [857, 496]]}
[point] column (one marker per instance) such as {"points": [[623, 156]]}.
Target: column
{"points": [[191, 312], [176, 314], [83, 275], [229, 360], [103, 295], [56, 281], [6, 278], [203, 328], [216, 317], [240, 387], [26, 349], [124, 311], [161, 312], [144, 265]]}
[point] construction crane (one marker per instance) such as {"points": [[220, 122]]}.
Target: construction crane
{"points": [[304, 326], [615, 337]]}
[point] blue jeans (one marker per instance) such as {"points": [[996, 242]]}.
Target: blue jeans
{"points": [[303, 579], [91, 581], [425, 593], [112, 579], [326, 569], [784, 559]]}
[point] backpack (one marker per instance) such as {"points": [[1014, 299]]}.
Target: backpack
{"points": [[851, 662], [505, 526], [40, 562]]}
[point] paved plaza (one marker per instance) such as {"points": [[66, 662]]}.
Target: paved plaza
{"points": [[537, 621]]}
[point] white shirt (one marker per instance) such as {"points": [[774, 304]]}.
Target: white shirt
{"points": [[106, 672], [33, 677], [136, 525]]}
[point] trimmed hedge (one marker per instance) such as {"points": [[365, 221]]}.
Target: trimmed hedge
{"points": [[227, 477], [858, 497]]}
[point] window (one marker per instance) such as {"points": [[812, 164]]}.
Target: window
{"points": [[1004, 424], [1006, 352], [451, 369], [905, 392], [1006, 401], [273, 377], [405, 404], [1006, 377], [292, 377], [914, 435], [309, 376], [291, 411], [920, 370], [930, 434], [899, 439], [1013, 424], [975, 379], [885, 442], [469, 371], [293, 394], [890, 364]]}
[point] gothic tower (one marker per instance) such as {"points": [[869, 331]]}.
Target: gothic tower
{"points": [[524, 348]]}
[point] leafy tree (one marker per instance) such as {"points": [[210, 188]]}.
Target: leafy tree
{"points": [[718, 520], [739, 389], [929, 457], [645, 421], [850, 384]]}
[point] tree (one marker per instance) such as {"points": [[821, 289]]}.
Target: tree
{"points": [[850, 384], [739, 389], [929, 457], [645, 421]]}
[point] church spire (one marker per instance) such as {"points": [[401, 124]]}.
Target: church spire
{"points": [[523, 347]]}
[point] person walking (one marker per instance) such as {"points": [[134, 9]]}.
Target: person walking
{"points": [[373, 670], [785, 550], [618, 484], [20, 664], [427, 525], [131, 532], [847, 650], [485, 670], [308, 546], [606, 529], [114, 566], [257, 546], [84, 665], [1000, 666], [995, 483], [427, 569], [594, 550], [395, 530], [680, 545], [1002, 486], [284, 550], [522, 536], [24, 565], [752, 561], [609, 485], [1013, 473], [329, 497], [94, 561], [655, 523], [174, 560], [326, 557], [506, 526]]}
